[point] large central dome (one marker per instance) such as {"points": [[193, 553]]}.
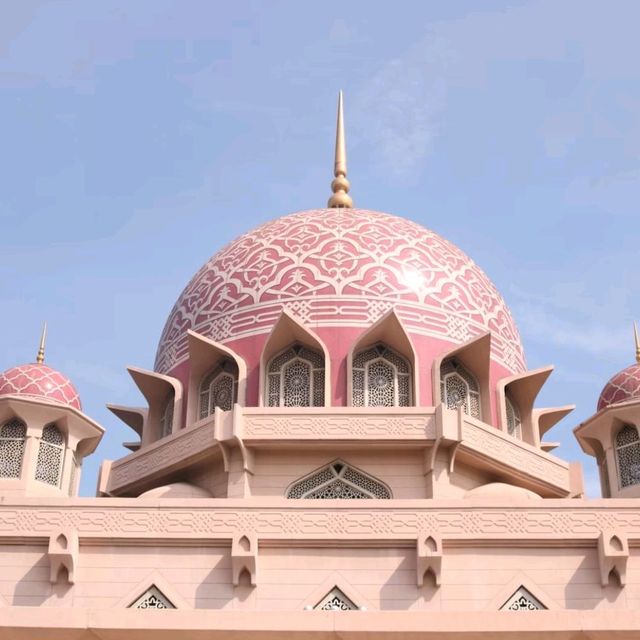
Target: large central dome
{"points": [[333, 268]]}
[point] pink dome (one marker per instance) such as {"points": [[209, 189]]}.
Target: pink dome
{"points": [[334, 268], [625, 385], [39, 381]]}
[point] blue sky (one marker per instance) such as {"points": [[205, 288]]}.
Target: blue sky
{"points": [[140, 137]]}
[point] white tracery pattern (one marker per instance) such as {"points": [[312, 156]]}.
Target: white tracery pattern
{"points": [[50, 456], [514, 423], [12, 439], [166, 420], [336, 600], [340, 268], [522, 600], [459, 388], [219, 388], [338, 481], [152, 598], [295, 378], [628, 456], [381, 378]]}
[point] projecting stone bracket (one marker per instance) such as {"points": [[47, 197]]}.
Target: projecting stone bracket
{"points": [[613, 553], [429, 559], [63, 553], [244, 559]]}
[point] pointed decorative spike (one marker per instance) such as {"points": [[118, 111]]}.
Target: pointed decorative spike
{"points": [[340, 185], [43, 339], [637, 341]]}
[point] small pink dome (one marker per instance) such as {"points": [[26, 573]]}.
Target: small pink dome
{"points": [[39, 381], [337, 269], [625, 385]]}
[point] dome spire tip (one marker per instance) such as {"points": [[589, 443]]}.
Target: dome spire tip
{"points": [[637, 341], [43, 339], [340, 185]]}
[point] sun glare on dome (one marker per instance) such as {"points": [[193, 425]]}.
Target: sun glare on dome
{"points": [[412, 279]]}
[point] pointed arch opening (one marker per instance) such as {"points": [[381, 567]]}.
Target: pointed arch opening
{"points": [[338, 481], [50, 456], [294, 367], [627, 446], [13, 435], [382, 366], [460, 388], [219, 388]]}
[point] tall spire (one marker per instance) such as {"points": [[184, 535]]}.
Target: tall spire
{"points": [[43, 339], [637, 341], [340, 185]]}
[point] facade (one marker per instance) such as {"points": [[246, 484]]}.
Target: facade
{"points": [[340, 441]]}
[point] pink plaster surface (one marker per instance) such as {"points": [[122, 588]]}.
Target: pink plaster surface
{"points": [[39, 381], [339, 270], [625, 385]]}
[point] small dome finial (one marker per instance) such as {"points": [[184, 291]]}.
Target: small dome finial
{"points": [[340, 185], [43, 339], [637, 341]]}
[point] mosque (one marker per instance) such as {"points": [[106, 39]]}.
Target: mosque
{"points": [[340, 440]]}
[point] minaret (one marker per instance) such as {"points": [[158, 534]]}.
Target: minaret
{"points": [[637, 341], [340, 185], [43, 339]]}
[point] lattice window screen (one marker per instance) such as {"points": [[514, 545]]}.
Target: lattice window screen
{"points": [[514, 423], [152, 598], [522, 600], [459, 388], [380, 378], [219, 388], [166, 420], [338, 481], [50, 456], [295, 378], [336, 600], [12, 438], [628, 456]]}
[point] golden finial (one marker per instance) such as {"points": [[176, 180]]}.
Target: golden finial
{"points": [[637, 341], [340, 185], [43, 339]]}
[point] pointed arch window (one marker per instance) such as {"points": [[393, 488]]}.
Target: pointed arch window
{"points": [[338, 481], [522, 600], [295, 378], [152, 598], [459, 388], [219, 388], [50, 456], [628, 455], [381, 378], [336, 600], [166, 419], [514, 422], [12, 439]]}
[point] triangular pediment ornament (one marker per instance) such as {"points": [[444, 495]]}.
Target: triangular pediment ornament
{"points": [[152, 598], [522, 600], [336, 600]]}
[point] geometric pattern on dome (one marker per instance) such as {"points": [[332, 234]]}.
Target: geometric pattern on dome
{"points": [[338, 481], [39, 381], [522, 600], [336, 268], [625, 385]]}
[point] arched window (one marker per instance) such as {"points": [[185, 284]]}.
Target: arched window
{"points": [[459, 388], [295, 378], [628, 455], [50, 456], [219, 388], [12, 438], [381, 378], [166, 420], [338, 480], [514, 423]]}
